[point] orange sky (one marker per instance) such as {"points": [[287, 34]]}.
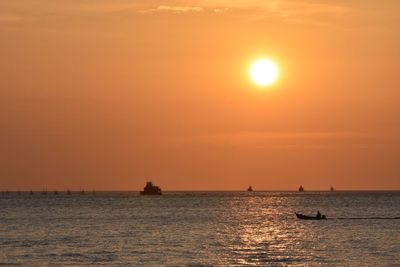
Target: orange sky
{"points": [[102, 94]]}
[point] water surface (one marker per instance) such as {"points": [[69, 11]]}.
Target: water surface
{"points": [[200, 229]]}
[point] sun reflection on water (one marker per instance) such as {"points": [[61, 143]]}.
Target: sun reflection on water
{"points": [[262, 235]]}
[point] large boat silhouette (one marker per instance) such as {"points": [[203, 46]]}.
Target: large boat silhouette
{"points": [[151, 189]]}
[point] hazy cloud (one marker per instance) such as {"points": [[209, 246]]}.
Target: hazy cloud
{"points": [[282, 8], [221, 10], [291, 139], [295, 8], [10, 18], [173, 9], [313, 13]]}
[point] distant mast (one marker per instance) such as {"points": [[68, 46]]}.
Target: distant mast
{"points": [[332, 189], [250, 189], [301, 188]]}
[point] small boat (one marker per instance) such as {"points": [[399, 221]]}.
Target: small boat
{"points": [[306, 217], [332, 189], [301, 188], [151, 189], [250, 189]]}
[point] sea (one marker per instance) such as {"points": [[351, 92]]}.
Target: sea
{"points": [[199, 229]]}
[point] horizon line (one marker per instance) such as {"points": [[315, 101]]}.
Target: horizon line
{"points": [[208, 190]]}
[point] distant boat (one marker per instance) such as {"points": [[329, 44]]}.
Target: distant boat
{"points": [[31, 192], [250, 189], [306, 217], [332, 189], [68, 192], [151, 189], [56, 192], [301, 188]]}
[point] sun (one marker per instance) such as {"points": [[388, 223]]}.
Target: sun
{"points": [[264, 72]]}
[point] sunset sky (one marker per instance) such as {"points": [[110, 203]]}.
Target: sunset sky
{"points": [[105, 94]]}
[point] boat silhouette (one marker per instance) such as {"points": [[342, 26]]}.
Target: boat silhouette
{"points": [[151, 189], [301, 188], [306, 217], [250, 189]]}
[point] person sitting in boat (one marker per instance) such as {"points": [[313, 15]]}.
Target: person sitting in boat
{"points": [[319, 215]]}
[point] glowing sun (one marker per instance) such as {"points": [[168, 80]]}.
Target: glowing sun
{"points": [[264, 72]]}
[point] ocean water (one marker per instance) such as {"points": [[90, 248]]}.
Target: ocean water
{"points": [[200, 229]]}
